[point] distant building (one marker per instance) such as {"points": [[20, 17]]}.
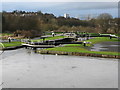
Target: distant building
{"points": [[66, 15]]}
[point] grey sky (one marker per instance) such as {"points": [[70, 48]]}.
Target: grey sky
{"points": [[60, 0], [59, 8], [66, 5]]}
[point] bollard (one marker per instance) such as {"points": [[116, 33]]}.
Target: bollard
{"points": [[110, 37], [84, 43], [9, 40]]}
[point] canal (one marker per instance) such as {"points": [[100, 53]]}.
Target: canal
{"points": [[107, 46], [22, 68]]}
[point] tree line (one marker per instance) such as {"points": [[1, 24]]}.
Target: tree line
{"points": [[33, 24]]}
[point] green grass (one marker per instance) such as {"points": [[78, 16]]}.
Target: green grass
{"points": [[105, 34], [48, 38], [50, 33], [101, 39], [81, 50], [93, 41], [74, 45], [12, 44]]}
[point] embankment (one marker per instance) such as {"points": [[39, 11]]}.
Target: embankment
{"points": [[78, 54]]}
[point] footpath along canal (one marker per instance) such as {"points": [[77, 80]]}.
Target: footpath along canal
{"points": [[22, 68]]}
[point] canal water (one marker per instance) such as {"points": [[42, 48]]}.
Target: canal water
{"points": [[22, 68], [107, 46]]}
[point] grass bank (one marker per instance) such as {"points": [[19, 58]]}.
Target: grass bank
{"points": [[101, 39], [11, 44], [78, 48]]}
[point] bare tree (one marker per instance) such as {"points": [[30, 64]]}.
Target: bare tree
{"points": [[104, 21]]}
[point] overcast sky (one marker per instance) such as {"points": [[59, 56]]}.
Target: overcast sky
{"points": [[75, 9], [60, 0]]}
